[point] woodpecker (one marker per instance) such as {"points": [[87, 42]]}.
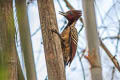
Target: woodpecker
{"points": [[69, 36]]}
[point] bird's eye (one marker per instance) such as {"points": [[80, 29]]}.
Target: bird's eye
{"points": [[71, 13]]}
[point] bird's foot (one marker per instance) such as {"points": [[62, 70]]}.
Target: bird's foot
{"points": [[55, 31]]}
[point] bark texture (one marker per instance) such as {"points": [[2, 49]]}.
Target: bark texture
{"points": [[52, 45], [19, 72], [8, 55]]}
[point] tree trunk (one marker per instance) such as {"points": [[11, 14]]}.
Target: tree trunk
{"points": [[19, 72], [25, 39], [93, 41], [52, 45], [8, 55]]}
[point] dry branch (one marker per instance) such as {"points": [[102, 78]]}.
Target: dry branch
{"points": [[112, 37], [113, 73], [113, 59], [83, 53]]}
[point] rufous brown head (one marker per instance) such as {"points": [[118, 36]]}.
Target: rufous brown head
{"points": [[72, 15]]}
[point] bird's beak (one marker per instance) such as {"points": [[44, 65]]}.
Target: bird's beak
{"points": [[62, 13]]}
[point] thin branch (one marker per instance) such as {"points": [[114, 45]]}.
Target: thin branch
{"points": [[112, 37], [80, 29], [97, 8], [113, 72], [46, 78], [60, 5], [68, 4], [106, 14], [83, 53], [61, 10], [117, 15], [113, 59], [63, 25], [37, 30], [81, 65], [118, 38], [30, 1], [83, 70]]}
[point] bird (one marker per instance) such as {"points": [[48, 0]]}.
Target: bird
{"points": [[69, 36]]}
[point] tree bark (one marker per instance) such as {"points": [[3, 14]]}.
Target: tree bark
{"points": [[92, 38], [25, 39], [8, 54], [19, 72], [52, 45]]}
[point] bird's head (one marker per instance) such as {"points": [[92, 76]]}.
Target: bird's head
{"points": [[71, 15]]}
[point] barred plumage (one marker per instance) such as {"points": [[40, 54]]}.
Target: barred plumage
{"points": [[74, 34], [69, 36], [70, 39]]}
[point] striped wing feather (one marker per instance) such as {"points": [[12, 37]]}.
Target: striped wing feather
{"points": [[70, 38]]}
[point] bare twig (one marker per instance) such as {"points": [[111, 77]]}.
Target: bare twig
{"points": [[68, 4], [46, 78], [118, 38], [80, 29], [83, 53], [113, 59], [61, 10], [63, 25], [60, 5], [30, 1], [113, 72], [112, 37], [117, 15], [82, 64], [83, 69], [37, 30]]}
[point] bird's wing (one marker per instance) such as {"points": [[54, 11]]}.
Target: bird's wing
{"points": [[73, 43]]}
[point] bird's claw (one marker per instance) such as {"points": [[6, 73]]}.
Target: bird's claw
{"points": [[54, 30]]}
